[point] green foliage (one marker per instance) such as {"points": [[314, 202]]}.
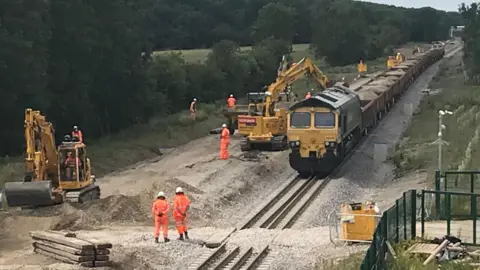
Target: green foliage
{"points": [[471, 38], [89, 62], [369, 30]]}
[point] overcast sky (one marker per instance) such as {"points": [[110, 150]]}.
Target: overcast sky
{"points": [[448, 5]]}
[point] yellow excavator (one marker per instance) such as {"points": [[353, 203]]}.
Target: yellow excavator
{"points": [[395, 60], [53, 175], [269, 126]]}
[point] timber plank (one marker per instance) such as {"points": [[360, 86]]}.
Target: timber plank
{"points": [[75, 258], [99, 244], [102, 263], [102, 258], [102, 251], [71, 250], [62, 259], [59, 239]]}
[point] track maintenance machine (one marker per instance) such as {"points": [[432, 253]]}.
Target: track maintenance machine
{"points": [[53, 175], [268, 126]]}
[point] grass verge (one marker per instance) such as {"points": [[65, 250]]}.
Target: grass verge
{"points": [[448, 91]]}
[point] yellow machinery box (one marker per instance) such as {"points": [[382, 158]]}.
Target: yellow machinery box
{"points": [[359, 221]]}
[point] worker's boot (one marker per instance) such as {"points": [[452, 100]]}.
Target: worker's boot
{"points": [[156, 240], [186, 235], [181, 237], [166, 240]]}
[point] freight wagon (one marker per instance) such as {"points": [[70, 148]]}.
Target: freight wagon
{"points": [[323, 129]]}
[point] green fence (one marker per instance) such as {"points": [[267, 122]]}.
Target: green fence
{"points": [[458, 181], [458, 216], [455, 181], [396, 224]]}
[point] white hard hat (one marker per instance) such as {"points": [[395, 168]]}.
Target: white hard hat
{"points": [[194, 99], [160, 194], [224, 125], [75, 127], [179, 189], [231, 95]]}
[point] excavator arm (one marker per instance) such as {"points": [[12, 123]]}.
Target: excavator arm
{"points": [[41, 153], [288, 76], [41, 164]]}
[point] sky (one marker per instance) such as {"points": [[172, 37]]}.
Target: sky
{"points": [[448, 5]]}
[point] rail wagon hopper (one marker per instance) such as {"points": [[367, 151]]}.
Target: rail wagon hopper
{"points": [[322, 130]]}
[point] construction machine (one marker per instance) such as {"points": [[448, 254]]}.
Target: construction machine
{"points": [[53, 174], [255, 103], [269, 126], [395, 60]]}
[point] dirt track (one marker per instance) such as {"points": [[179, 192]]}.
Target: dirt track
{"points": [[222, 194]]}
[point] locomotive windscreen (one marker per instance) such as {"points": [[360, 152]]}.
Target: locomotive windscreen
{"points": [[324, 119], [300, 120]]}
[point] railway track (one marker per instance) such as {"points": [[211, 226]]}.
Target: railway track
{"points": [[233, 259], [280, 212]]}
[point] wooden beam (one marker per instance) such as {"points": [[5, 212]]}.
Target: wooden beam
{"points": [[73, 251], [59, 239]]}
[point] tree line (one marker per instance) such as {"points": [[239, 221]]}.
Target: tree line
{"points": [[471, 39], [90, 62]]}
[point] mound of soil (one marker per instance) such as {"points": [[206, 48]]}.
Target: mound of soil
{"points": [[113, 209]]}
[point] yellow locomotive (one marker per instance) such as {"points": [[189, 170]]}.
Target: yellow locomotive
{"points": [[323, 129]]}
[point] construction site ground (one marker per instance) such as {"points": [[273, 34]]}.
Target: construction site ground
{"points": [[223, 194]]}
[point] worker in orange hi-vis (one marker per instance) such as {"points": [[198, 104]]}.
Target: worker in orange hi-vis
{"points": [[224, 142], [160, 210], [231, 101], [308, 95], [193, 108], [181, 205], [77, 133]]}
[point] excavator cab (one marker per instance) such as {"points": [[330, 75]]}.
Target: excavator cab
{"points": [[74, 166]]}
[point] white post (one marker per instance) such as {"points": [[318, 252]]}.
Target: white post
{"points": [[440, 138], [440, 141]]}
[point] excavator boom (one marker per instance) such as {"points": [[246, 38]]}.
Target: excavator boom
{"points": [[288, 76], [40, 164]]}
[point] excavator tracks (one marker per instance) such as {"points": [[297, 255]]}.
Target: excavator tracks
{"points": [[89, 193], [277, 143]]}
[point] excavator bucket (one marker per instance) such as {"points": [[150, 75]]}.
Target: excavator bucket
{"points": [[38, 193]]}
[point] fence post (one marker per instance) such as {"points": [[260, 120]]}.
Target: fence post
{"points": [[472, 184], [449, 212], [422, 219], [404, 216], [397, 222], [413, 217], [474, 216], [437, 196]]}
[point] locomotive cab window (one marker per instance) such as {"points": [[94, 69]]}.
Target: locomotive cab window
{"points": [[324, 119], [300, 120]]}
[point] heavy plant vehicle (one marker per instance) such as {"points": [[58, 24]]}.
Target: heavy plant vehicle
{"points": [[53, 175], [322, 130], [268, 127], [254, 106], [395, 60]]}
